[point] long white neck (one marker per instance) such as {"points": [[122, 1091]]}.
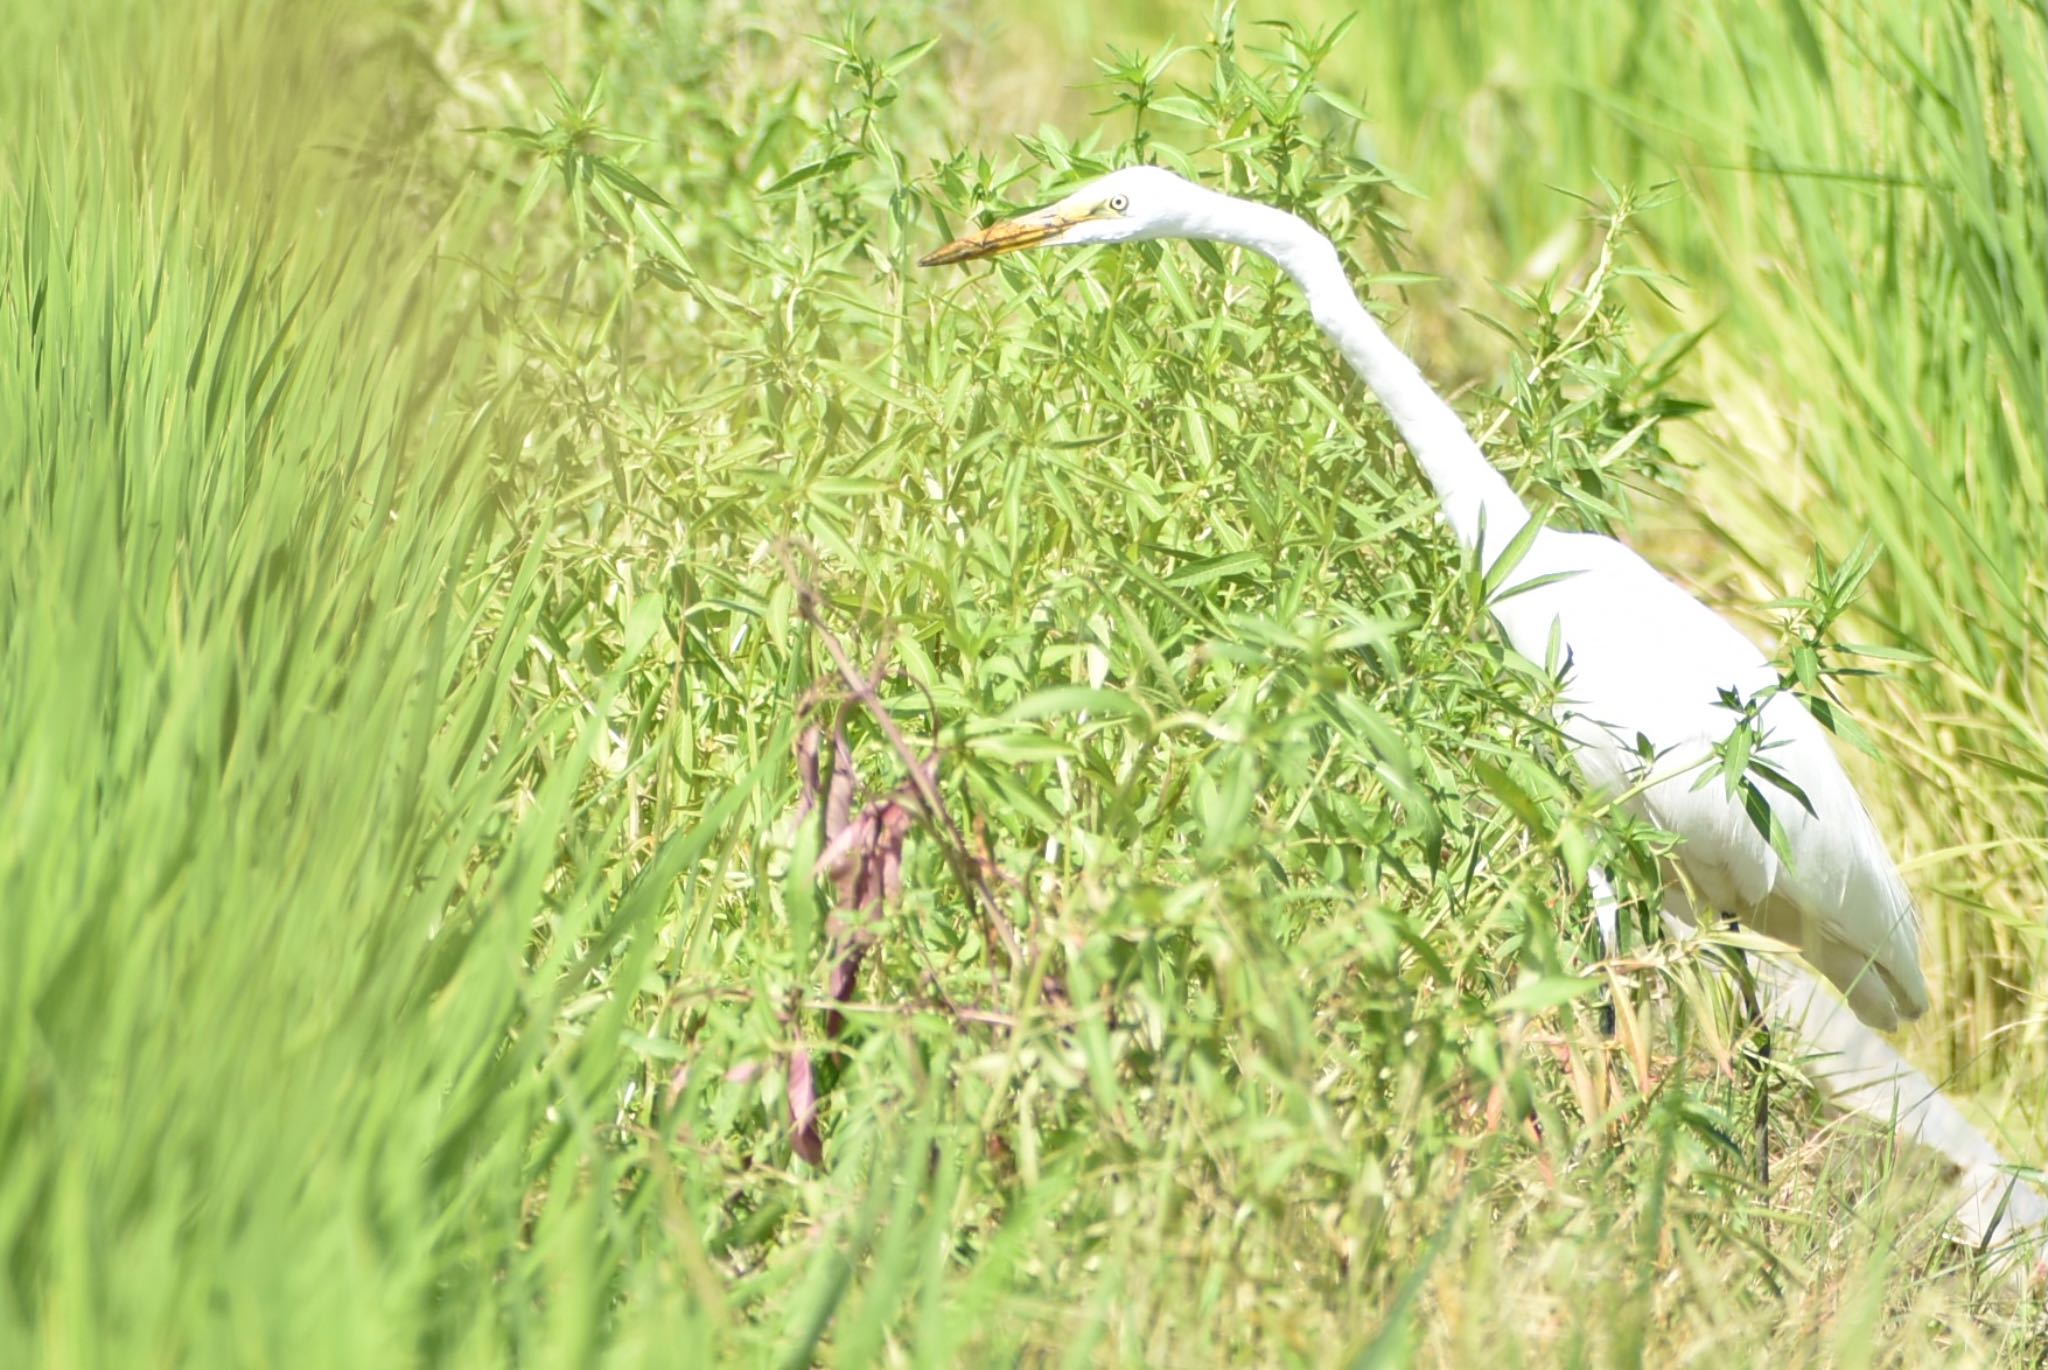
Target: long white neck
{"points": [[1473, 494]]}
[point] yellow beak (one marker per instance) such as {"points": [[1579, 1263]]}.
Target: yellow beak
{"points": [[1011, 235]]}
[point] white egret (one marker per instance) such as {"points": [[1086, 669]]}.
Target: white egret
{"points": [[1648, 675], [1648, 666]]}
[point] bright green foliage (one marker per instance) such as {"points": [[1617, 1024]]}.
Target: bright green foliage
{"points": [[415, 487]]}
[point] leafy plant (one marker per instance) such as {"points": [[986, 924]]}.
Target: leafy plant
{"points": [[432, 582]]}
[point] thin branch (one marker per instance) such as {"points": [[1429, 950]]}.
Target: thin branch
{"points": [[958, 855]]}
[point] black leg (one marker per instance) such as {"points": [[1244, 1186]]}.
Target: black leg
{"points": [[1760, 1059]]}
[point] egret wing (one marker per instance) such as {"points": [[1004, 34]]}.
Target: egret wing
{"points": [[1646, 668]]}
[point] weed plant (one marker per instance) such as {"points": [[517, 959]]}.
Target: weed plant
{"points": [[599, 773]]}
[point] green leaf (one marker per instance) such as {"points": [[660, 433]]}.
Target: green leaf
{"points": [[1182, 108], [643, 621], [1514, 797], [1212, 569], [1544, 993], [809, 171], [1070, 699], [627, 181], [1343, 104]]}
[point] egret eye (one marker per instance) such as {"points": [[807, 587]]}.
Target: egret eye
{"points": [[1119, 203]]}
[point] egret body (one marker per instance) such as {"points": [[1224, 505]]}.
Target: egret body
{"points": [[1646, 662]]}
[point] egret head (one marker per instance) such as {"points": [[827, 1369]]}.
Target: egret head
{"points": [[1125, 206]]}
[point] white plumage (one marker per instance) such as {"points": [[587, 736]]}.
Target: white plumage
{"points": [[1646, 660]]}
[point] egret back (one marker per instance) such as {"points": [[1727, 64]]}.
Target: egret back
{"points": [[1646, 664]]}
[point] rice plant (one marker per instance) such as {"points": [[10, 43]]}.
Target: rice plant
{"points": [[598, 774]]}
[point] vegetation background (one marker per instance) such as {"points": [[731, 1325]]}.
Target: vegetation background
{"points": [[464, 460]]}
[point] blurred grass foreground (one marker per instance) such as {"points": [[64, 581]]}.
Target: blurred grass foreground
{"points": [[488, 506]]}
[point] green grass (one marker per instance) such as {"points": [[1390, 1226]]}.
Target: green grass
{"points": [[421, 563]]}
